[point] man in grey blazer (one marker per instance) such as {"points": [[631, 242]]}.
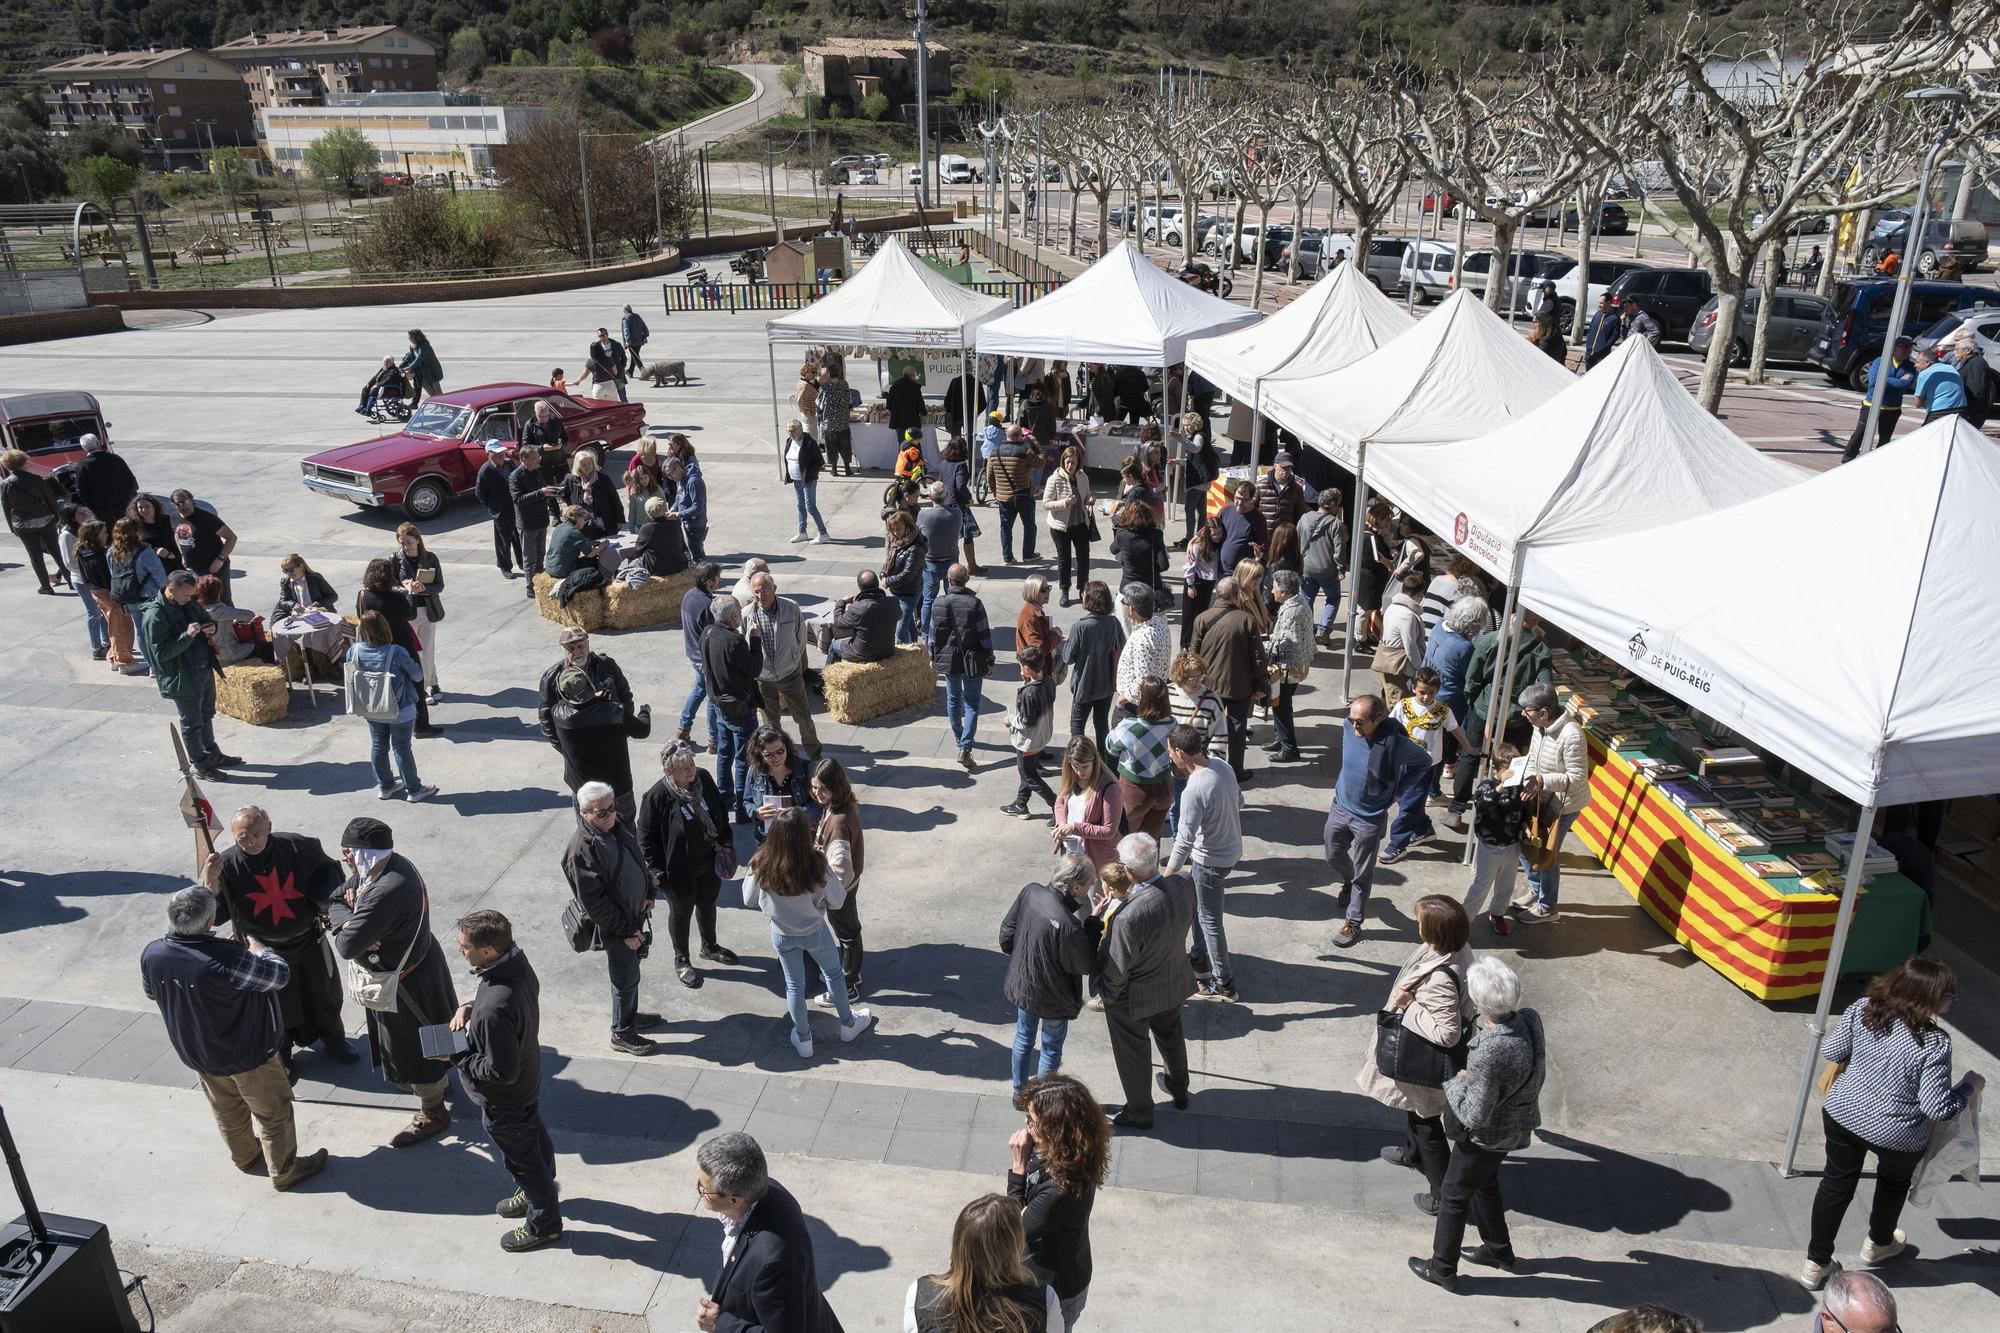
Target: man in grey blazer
{"points": [[1147, 977]]}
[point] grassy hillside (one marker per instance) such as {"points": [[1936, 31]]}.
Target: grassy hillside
{"points": [[617, 99]]}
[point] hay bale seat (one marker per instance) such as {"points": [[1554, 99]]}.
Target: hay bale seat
{"points": [[863, 691], [656, 603], [254, 692], [585, 610]]}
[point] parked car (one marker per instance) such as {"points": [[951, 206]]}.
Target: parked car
{"points": [[395, 180], [880, 161], [1983, 320], [1435, 200], [1152, 220], [1672, 296], [1856, 326], [437, 453], [1612, 219], [47, 426], [1122, 217], [1317, 248], [1795, 322], [1204, 225], [1385, 261], [1254, 244], [1523, 267], [1814, 225], [1428, 266], [863, 176], [1964, 241], [1603, 272], [954, 169]]}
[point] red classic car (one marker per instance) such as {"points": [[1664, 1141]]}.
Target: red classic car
{"points": [[438, 452], [48, 427]]}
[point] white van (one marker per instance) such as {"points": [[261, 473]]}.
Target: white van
{"points": [[954, 169], [1427, 265]]}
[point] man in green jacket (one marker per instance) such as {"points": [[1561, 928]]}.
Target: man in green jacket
{"points": [[180, 645]]}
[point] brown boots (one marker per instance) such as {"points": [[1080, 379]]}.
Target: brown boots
{"points": [[428, 1123], [971, 561]]}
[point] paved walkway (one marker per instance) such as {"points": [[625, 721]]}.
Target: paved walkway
{"points": [[1562, 1181]]}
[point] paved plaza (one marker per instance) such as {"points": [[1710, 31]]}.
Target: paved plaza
{"points": [[1262, 1206]]}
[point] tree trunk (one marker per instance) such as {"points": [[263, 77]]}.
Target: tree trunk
{"points": [[1075, 198], [1729, 287], [1497, 277], [1774, 277], [1236, 236], [1103, 220], [1365, 222], [1458, 249], [1257, 263], [1298, 230], [1586, 218]]}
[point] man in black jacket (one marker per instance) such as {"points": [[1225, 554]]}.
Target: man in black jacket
{"points": [[695, 618], [104, 484], [501, 1068], [906, 402], [769, 1281], [729, 667], [1050, 938], [492, 490], [545, 431], [866, 622], [530, 491], [607, 872], [961, 644]]}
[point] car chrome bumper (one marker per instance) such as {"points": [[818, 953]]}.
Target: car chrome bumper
{"points": [[360, 495]]}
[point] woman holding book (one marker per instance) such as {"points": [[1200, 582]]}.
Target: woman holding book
{"points": [[1558, 757]]}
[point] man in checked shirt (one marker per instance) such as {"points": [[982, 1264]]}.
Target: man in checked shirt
{"points": [[219, 999]]}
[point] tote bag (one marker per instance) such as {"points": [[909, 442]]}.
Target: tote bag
{"points": [[371, 695], [1408, 1056], [378, 990]]}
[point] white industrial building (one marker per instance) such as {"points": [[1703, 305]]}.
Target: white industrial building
{"points": [[445, 134]]}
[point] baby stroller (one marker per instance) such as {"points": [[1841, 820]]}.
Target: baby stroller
{"points": [[385, 397]]}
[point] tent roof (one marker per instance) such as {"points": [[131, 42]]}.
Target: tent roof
{"points": [[1837, 622], [1623, 448], [1124, 309], [1461, 372], [895, 300], [1340, 319]]}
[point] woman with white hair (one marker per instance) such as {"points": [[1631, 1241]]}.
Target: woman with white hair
{"points": [[803, 462], [589, 489], [1558, 766], [1491, 1108]]}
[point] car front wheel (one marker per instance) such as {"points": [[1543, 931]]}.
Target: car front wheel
{"points": [[425, 500], [1739, 353]]}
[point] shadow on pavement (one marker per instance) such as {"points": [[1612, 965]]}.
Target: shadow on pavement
{"points": [[28, 899], [1727, 1298]]}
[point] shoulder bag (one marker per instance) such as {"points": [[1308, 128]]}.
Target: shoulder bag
{"points": [[577, 926], [1391, 659], [371, 695], [378, 990], [1541, 837], [1407, 1056]]}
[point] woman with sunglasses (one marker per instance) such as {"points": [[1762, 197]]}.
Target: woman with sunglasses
{"points": [[778, 781]]}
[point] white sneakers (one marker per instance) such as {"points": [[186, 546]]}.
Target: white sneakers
{"points": [[803, 1045], [800, 538], [856, 1025], [1813, 1276], [1873, 1254]]}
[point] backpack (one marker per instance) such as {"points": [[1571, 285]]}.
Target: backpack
{"points": [[125, 586], [371, 694]]}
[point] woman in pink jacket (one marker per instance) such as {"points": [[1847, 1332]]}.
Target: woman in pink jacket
{"points": [[1088, 805]]}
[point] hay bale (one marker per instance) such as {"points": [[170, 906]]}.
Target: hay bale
{"points": [[658, 602], [863, 691], [324, 668], [585, 610], [254, 692]]}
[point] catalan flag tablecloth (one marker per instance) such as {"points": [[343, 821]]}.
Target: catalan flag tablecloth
{"points": [[1772, 943]]}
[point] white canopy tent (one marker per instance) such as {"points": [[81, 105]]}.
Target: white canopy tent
{"points": [[1889, 692], [1339, 320], [895, 300], [1458, 374], [1123, 310], [1621, 449]]}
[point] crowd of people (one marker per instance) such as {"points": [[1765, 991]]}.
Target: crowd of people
{"points": [[1144, 823]]}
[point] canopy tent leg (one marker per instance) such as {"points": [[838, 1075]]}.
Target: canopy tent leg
{"points": [[1256, 424], [1504, 654], [964, 398], [777, 427], [1360, 527], [1849, 892]]}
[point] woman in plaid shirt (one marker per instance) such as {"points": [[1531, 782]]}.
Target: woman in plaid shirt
{"points": [[1138, 745]]}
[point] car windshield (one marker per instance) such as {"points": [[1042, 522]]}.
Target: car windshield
{"points": [[444, 421], [1943, 329]]}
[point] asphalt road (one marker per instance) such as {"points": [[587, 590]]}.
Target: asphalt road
{"points": [[766, 101]]}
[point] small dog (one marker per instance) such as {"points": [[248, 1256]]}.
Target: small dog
{"points": [[659, 372]]}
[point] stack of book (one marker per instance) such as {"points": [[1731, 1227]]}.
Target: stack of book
{"points": [[1876, 860], [1727, 759]]}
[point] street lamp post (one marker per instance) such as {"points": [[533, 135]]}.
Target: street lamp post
{"points": [[1919, 217], [583, 171], [923, 114]]}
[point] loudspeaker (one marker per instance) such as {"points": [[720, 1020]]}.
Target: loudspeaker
{"points": [[61, 1280]]}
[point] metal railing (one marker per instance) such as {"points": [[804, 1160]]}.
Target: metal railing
{"points": [[738, 297]]}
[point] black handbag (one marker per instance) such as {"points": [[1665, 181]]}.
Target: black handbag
{"points": [[578, 928], [1408, 1056]]}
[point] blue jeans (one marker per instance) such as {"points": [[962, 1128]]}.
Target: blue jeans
{"points": [[1547, 884], [1174, 809], [694, 700], [934, 576], [1412, 819], [732, 757], [1072, 1309], [1208, 923], [94, 624], [697, 534], [1310, 588], [197, 720], [383, 735], [962, 697], [906, 628], [1022, 507], [807, 495], [792, 951], [1054, 1031]]}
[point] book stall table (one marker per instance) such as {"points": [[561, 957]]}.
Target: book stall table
{"points": [[1731, 863]]}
